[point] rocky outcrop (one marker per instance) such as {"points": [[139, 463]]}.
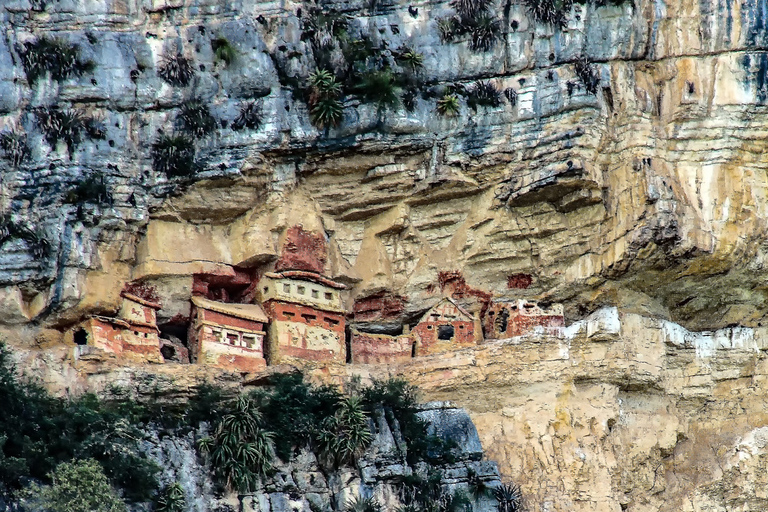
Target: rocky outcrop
{"points": [[304, 485]]}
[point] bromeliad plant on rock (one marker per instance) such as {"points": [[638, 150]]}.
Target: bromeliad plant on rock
{"points": [[55, 56], [324, 102], [240, 449]]}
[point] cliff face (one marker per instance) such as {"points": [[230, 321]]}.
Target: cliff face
{"points": [[647, 193]]}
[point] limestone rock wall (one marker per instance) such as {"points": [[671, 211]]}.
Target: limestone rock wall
{"points": [[649, 194]]}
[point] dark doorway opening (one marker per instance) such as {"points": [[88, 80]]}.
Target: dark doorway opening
{"points": [[445, 332], [81, 337]]}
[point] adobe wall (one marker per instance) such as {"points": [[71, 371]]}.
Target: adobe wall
{"points": [[369, 348], [211, 351], [426, 336], [301, 332]]}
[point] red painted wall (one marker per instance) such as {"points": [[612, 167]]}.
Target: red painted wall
{"points": [[303, 250], [379, 348], [426, 331]]}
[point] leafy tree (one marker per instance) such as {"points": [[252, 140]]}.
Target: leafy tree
{"points": [[79, 486]]}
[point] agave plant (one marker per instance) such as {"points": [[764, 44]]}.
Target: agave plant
{"points": [[176, 69], [511, 96], [448, 105], [326, 112], [476, 485], [470, 8], [14, 146], [550, 12], [55, 56], [345, 434], [410, 58], [171, 499], [359, 504], [325, 105], [196, 119], [484, 31], [240, 450], [248, 117], [448, 28], [508, 498], [174, 155]]}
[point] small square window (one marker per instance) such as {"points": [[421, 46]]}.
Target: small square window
{"points": [[266, 289], [287, 288], [328, 296], [300, 290], [315, 294]]}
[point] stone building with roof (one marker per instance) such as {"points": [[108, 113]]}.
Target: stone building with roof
{"points": [[229, 336], [446, 326], [132, 334], [307, 316]]}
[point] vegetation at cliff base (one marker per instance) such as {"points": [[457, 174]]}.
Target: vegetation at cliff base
{"points": [[38, 432]]}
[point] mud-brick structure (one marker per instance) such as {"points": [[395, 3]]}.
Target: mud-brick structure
{"points": [[133, 334], [307, 316], [445, 327], [371, 348], [506, 319], [229, 336]]}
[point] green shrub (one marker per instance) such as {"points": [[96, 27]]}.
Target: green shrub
{"points": [[508, 498], [324, 104], [379, 88], [248, 117], [174, 155], [297, 411], [448, 105], [55, 56], [176, 69], [171, 499], [196, 119], [346, 434], [223, 51], [410, 58], [324, 25], [240, 450], [90, 189], [14, 146], [80, 486]]}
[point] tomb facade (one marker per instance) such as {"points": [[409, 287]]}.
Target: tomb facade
{"points": [[445, 327], [229, 336], [307, 316]]}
